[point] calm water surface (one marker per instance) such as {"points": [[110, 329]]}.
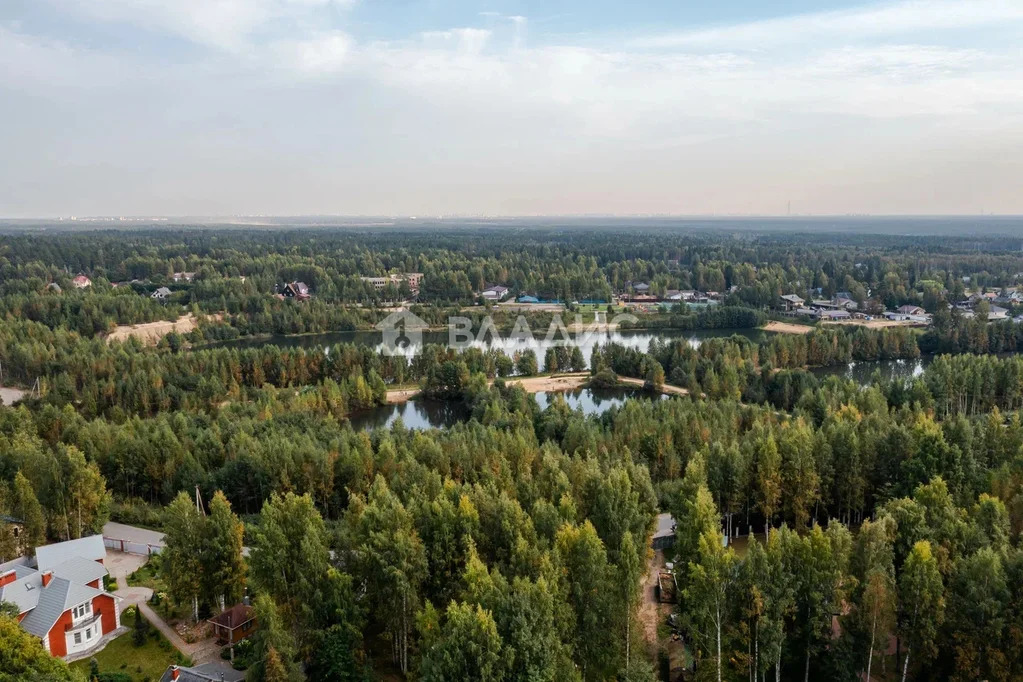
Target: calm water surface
{"points": [[425, 414], [639, 339]]}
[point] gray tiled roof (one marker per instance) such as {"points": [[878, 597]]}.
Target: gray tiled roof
{"points": [[54, 599], [79, 570], [23, 592], [20, 562], [90, 547]]}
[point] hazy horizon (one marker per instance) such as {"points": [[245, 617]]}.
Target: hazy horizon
{"points": [[510, 108]]}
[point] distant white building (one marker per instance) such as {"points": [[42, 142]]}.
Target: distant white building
{"points": [[494, 293]]}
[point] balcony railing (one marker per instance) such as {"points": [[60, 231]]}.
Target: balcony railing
{"points": [[85, 622]]}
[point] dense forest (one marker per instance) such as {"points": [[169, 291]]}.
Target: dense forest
{"points": [[825, 528]]}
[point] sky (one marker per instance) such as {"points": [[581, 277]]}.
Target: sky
{"points": [[517, 107]]}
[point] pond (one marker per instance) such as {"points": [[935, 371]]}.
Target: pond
{"points": [[863, 372], [424, 413], [638, 339]]}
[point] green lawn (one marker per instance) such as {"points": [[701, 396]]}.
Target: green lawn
{"points": [[147, 662]]}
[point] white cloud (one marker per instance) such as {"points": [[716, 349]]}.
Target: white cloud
{"points": [[322, 54], [869, 22], [229, 25], [805, 97]]}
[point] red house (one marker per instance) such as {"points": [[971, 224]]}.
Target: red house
{"points": [[61, 599], [81, 282]]}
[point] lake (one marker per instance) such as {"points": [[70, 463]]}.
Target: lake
{"points": [[639, 339]]}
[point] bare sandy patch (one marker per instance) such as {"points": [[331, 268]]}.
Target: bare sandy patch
{"points": [[11, 395], [786, 327], [555, 382], [401, 395], [152, 332]]}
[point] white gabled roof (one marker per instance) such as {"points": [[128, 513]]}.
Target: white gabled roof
{"points": [[50, 556], [79, 570]]}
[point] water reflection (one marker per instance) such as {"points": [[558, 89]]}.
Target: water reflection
{"points": [[639, 340], [415, 414], [593, 400], [863, 373], [425, 414]]}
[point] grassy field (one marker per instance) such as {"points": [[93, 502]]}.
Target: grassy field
{"points": [[146, 662]]}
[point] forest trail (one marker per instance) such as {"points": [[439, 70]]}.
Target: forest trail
{"points": [[665, 388], [650, 609]]}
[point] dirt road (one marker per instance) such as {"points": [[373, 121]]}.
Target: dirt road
{"points": [[665, 388], [651, 612]]}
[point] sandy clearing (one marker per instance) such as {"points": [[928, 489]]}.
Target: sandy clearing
{"points": [[786, 327], [11, 395], [556, 382], [401, 395], [152, 332]]}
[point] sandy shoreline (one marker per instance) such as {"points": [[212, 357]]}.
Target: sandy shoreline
{"points": [[786, 327], [543, 384]]}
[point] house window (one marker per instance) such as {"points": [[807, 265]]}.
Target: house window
{"points": [[88, 634], [78, 638], [81, 610]]}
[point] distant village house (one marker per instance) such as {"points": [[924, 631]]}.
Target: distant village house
{"points": [[297, 290]]}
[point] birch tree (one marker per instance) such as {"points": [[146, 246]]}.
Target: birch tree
{"points": [[922, 602]]}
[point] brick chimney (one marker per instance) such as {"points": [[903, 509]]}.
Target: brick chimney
{"points": [[175, 672], [8, 577], [47, 577]]}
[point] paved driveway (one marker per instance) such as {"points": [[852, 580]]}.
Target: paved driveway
{"points": [[120, 531], [140, 537]]}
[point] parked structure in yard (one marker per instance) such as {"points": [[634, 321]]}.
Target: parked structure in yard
{"points": [[234, 624], [667, 587], [60, 597]]}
